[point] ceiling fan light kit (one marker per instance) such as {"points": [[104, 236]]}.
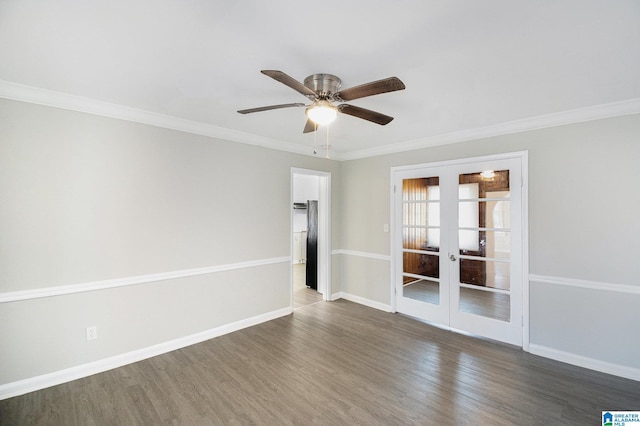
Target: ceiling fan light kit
{"points": [[321, 112], [323, 90]]}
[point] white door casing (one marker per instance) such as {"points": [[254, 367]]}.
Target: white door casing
{"points": [[324, 230]]}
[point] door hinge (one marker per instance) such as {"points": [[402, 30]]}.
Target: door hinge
{"points": [[394, 189]]}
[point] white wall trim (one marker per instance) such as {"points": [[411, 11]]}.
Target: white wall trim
{"points": [[63, 376], [35, 95], [526, 291], [596, 112], [582, 361], [335, 296], [592, 285], [364, 301], [14, 296], [368, 255], [523, 155], [324, 229]]}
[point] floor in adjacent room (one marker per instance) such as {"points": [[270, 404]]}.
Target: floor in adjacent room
{"points": [[303, 295], [334, 363]]}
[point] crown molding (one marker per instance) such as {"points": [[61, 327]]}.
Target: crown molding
{"points": [[35, 95], [596, 112]]}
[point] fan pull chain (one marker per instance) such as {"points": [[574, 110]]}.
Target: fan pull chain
{"points": [[327, 145], [315, 138]]}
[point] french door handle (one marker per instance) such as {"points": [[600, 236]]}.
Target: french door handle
{"points": [[452, 257]]}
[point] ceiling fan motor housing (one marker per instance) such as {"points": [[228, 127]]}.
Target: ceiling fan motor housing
{"points": [[325, 85]]}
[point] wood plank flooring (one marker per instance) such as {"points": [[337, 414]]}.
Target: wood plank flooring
{"points": [[333, 363]]}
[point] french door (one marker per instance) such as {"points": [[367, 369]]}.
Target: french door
{"points": [[458, 251]]}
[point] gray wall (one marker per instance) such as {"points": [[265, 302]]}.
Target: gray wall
{"points": [[583, 225], [87, 198]]}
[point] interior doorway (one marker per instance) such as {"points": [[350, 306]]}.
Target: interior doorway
{"points": [[310, 237]]}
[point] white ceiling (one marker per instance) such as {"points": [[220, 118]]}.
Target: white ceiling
{"points": [[466, 64]]}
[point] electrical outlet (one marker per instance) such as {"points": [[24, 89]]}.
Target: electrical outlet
{"points": [[92, 333], [385, 227]]}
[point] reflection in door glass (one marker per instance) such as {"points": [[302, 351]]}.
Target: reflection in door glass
{"points": [[421, 239], [495, 244], [486, 304], [499, 182], [496, 213], [484, 273], [424, 265], [484, 240], [423, 290]]}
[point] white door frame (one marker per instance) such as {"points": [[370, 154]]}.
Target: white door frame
{"points": [[523, 156], [324, 231]]}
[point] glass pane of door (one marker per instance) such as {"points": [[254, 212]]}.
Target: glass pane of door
{"points": [[484, 242], [421, 239]]}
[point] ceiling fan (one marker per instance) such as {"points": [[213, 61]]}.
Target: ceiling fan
{"points": [[323, 90]]}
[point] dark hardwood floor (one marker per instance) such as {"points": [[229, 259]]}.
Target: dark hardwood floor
{"points": [[332, 364]]}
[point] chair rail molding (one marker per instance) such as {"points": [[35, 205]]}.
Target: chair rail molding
{"points": [[36, 293], [592, 285]]}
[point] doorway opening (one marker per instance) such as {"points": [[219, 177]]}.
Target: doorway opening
{"points": [[310, 237]]}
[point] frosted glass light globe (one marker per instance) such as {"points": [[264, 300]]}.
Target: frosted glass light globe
{"points": [[322, 112]]}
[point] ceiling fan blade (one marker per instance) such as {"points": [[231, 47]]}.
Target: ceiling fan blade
{"points": [[310, 126], [365, 114], [267, 108], [390, 84], [290, 81]]}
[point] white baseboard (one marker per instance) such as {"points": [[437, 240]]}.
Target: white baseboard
{"points": [[582, 361], [336, 296], [363, 301], [22, 387]]}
